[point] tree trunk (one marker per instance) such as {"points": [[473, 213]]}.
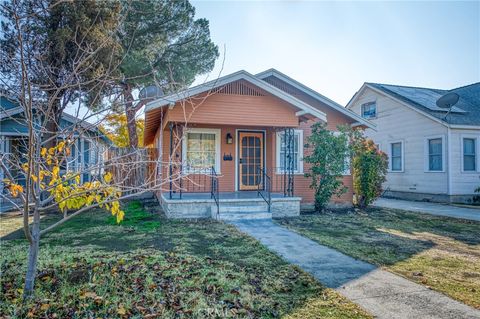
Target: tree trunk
{"points": [[130, 113], [32, 257], [51, 125]]}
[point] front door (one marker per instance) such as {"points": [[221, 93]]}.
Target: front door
{"points": [[250, 160]]}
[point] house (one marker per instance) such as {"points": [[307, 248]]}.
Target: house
{"points": [[86, 153], [236, 144], [433, 152]]}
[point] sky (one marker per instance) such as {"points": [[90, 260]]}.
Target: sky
{"points": [[334, 47]]}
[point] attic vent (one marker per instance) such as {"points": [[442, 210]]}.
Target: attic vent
{"points": [[279, 84], [239, 88]]}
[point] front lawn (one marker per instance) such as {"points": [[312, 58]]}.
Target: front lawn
{"points": [[439, 252], [151, 267]]}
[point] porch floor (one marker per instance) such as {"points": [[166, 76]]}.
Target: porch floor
{"points": [[252, 195]]}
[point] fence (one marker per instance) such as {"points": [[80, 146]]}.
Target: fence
{"points": [[132, 169]]}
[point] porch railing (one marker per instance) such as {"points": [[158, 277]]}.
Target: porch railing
{"points": [[214, 190], [184, 179], [280, 181], [265, 187]]}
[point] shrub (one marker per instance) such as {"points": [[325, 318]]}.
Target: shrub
{"points": [[369, 169], [327, 155]]}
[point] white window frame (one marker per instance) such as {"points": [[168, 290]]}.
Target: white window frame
{"points": [[402, 154], [218, 135], [426, 154], [300, 152], [477, 151], [348, 161], [362, 108]]}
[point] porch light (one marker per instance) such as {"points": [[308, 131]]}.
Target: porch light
{"points": [[229, 138]]}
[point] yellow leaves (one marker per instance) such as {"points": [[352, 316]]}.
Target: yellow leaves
{"points": [[121, 311], [77, 179], [107, 177], [55, 171], [120, 216], [15, 189], [43, 152], [88, 294], [61, 146], [44, 307]]}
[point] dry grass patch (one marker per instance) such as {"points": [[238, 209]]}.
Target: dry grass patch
{"points": [[439, 252], [151, 267]]}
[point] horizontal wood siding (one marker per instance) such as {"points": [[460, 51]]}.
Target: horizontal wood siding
{"points": [[230, 112], [463, 183], [396, 122], [228, 109]]}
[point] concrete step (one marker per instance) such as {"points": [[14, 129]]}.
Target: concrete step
{"points": [[243, 208], [245, 215]]}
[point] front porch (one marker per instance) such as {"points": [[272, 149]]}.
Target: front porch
{"points": [[230, 205]]}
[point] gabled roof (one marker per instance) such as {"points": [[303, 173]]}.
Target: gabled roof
{"points": [[314, 94], [465, 112], [240, 75], [9, 108]]}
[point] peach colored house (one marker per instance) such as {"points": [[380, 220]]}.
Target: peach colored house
{"points": [[234, 147]]}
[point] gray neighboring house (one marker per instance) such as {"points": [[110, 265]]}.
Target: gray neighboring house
{"points": [[433, 152], [88, 150]]}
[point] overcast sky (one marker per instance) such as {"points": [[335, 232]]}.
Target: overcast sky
{"points": [[333, 47]]}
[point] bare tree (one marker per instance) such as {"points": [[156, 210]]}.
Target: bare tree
{"points": [[54, 176]]}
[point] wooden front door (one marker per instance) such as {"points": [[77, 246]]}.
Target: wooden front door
{"points": [[250, 160]]}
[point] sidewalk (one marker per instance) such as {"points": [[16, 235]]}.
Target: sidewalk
{"points": [[430, 208], [381, 293]]}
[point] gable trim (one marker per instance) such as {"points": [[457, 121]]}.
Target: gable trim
{"points": [[305, 89], [240, 75]]}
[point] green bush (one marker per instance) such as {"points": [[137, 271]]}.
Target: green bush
{"points": [[369, 169], [328, 155]]}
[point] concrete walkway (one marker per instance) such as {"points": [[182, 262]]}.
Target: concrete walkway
{"points": [[383, 294], [430, 208]]}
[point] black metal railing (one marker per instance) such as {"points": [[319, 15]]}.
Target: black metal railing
{"points": [[281, 181], [185, 179], [265, 187], [214, 190]]}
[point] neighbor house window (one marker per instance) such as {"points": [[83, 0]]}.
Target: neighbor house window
{"points": [[469, 154], [369, 110], [202, 149], [435, 154], [296, 162], [396, 157]]}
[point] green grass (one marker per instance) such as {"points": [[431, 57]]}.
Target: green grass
{"points": [[151, 267], [439, 252]]}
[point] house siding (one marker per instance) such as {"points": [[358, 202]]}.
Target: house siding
{"points": [[397, 122], [232, 112], [463, 183], [235, 109]]}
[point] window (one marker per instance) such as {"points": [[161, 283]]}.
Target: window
{"points": [[369, 110], [435, 154], [469, 154], [396, 157], [297, 150], [347, 162], [202, 149]]}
